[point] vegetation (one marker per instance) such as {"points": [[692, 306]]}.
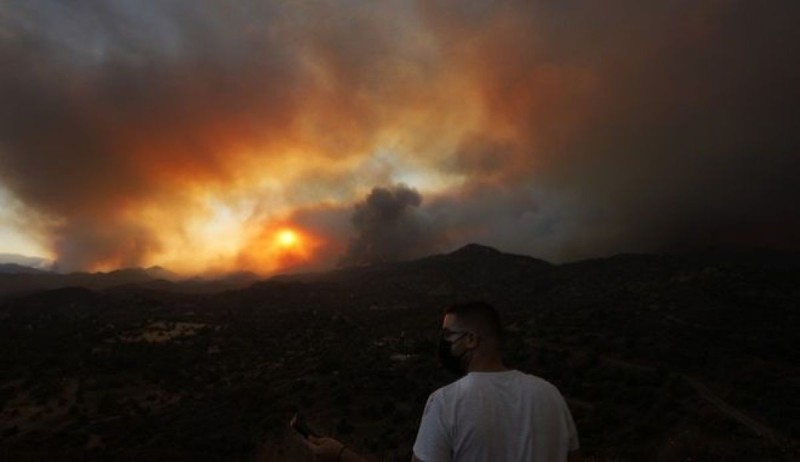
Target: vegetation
{"points": [[660, 358]]}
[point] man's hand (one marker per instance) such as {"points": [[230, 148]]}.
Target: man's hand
{"points": [[324, 448], [328, 449]]}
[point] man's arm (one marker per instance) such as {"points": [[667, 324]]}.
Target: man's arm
{"points": [[328, 449], [414, 458]]}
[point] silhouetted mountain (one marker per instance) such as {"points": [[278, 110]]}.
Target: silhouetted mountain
{"points": [[474, 250], [13, 268], [19, 280], [466, 265], [23, 282], [158, 272], [23, 260]]}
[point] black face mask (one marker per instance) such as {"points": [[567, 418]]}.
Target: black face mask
{"points": [[449, 361]]}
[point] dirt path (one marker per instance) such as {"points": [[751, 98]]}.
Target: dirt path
{"points": [[760, 429], [757, 427]]}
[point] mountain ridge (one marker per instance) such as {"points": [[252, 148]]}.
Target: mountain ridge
{"points": [[471, 262]]}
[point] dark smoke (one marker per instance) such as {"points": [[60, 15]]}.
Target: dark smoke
{"points": [[628, 126], [389, 227]]}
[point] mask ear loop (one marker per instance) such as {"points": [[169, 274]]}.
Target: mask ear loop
{"points": [[477, 340], [464, 353]]}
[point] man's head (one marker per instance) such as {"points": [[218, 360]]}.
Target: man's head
{"points": [[470, 331]]}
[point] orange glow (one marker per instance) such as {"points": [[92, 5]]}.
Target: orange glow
{"points": [[289, 247], [277, 249], [287, 238]]}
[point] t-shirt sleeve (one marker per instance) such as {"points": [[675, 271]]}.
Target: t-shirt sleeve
{"points": [[433, 441]]}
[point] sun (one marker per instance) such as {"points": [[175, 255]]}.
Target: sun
{"points": [[287, 238], [279, 248]]}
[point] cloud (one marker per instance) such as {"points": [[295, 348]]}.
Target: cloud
{"points": [[121, 121], [563, 130], [637, 127]]}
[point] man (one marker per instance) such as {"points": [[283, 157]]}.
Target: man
{"points": [[490, 414]]}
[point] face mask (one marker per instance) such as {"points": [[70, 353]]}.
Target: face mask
{"points": [[449, 361]]}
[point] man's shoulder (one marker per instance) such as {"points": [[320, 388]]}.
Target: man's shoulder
{"points": [[522, 379], [515, 375], [539, 385], [450, 391], [535, 380], [446, 390], [470, 380]]}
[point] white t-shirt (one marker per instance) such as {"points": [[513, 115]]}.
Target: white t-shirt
{"points": [[496, 416]]}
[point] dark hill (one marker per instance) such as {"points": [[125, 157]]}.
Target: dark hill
{"points": [[24, 280], [471, 272], [14, 268], [466, 266], [23, 260]]}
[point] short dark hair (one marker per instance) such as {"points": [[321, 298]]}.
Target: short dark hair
{"points": [[481, 315]]}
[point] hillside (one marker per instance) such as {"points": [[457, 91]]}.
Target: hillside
{"points": [[17, 280], [26, 261], [659, 357]]}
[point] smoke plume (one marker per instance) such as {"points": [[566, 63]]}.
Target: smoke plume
{"points": [[390, 227]]}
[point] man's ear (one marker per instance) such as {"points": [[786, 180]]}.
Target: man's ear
{"points": [[473, 340]]}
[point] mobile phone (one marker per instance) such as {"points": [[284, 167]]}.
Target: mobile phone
{"points": [[298, 423]]}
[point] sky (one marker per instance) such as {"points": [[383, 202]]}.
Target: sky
{"points": [[273, 136]]}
